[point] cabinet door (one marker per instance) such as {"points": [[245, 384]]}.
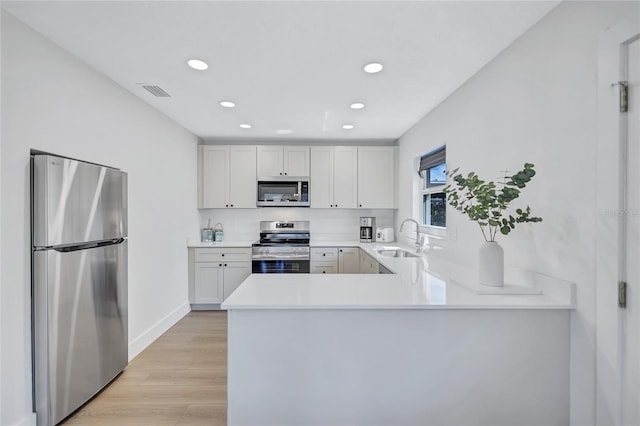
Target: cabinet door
{"points": [[213, 174], [242, 177], [296, 160], [368, 265], [270, 161], [321, 185], [376, 177], [345, 177], [323, 254], [349, 260], [234, 274], [208, 283]]}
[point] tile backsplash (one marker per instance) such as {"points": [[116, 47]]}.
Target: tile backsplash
{"points": [[326, 224]]}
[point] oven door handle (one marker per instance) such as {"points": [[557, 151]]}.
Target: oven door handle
{"points": [[280, 257]]}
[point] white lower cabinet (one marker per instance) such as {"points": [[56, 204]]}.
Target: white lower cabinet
{"points": [[208, 283], [324, 260], [349, 260], [368, 265], [214, 273], [234, 274], [324, 268], [343, 260]]}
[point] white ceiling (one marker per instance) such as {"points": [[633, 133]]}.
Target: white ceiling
{"points": [[290, 65]]}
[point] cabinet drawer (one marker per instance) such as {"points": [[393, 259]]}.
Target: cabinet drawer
{"points": [[219, 254], [324, 268], [324, 254]]}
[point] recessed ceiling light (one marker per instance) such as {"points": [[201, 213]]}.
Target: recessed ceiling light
{"points": [[373, 67], [197, 64], [245, 126], [284, 131], [357, 105], [348, 126], [227, 104]]}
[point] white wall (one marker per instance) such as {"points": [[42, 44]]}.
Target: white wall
{"points": [[53, 102], [325, 224], [536, 102]]}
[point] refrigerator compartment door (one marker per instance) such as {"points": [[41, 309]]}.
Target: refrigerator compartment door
{"points": [[80, 326], [76, 202]]}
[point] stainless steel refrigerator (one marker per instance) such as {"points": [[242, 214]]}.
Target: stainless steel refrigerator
{"points": [[79, 282]]}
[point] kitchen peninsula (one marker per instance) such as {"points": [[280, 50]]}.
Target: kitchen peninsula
{"points": [[420, 346]]}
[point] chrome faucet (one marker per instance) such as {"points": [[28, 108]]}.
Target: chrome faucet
{"points": [[419, 238]]}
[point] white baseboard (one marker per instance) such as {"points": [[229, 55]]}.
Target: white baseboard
{"points": [[29, 420], [155, 331]]}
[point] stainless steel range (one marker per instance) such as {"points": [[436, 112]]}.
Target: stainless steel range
{"points": [[283, 248]]}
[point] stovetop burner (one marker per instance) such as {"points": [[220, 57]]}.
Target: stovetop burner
{"points": [[283, 234]]}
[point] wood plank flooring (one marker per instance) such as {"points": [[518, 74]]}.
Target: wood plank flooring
{"points": [[179, 380]]}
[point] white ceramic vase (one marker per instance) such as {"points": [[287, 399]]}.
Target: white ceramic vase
{"points": [[491, 264]]}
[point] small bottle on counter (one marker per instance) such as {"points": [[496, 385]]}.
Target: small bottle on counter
{"points": [[207, 234], [218, 232]]}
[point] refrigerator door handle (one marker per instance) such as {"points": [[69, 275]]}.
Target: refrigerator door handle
{"points": [[76, 247]]}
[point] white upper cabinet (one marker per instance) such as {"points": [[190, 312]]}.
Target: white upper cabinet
{"points": [[321, 184], [270, 161], [213, 176], [345, 177], [296, 160], [226, 176], [283, 161], [334, 177], [377, 177]]}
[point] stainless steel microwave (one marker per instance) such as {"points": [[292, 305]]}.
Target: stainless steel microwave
{"points": [[283, 191]]}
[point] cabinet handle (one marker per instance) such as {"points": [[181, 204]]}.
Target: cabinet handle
{"points": [[359, 205], [222, 254], [340, 250], [280, 173], [331, 205], [225, 265], [285, 173], [336, 205], [220, 264], [324, 254], [226, 205], [323, 272], [231, 205]]}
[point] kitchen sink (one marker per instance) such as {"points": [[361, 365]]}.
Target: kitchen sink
{"points": [[395, 252]]}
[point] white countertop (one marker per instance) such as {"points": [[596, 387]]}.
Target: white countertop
{"points": [[417, 283]]}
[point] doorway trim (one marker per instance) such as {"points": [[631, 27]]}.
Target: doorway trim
{"points": [[611, 167]]}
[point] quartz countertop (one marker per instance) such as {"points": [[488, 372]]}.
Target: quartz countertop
{"points": [[425, 282]]}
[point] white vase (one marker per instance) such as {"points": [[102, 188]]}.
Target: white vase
{"points": [[491, 264]]}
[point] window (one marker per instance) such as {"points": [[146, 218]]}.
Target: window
{"points": [[434, 202]]}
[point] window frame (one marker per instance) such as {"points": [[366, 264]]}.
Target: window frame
{"points": [[427, 191]]}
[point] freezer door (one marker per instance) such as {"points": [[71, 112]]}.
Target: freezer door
{"points": [[75, 202], [80, 326]]}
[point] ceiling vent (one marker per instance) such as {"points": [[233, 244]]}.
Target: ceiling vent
{"points": [[156, 91]]}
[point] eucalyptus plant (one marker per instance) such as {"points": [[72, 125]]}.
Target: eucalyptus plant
{"points": [[487, 202]]}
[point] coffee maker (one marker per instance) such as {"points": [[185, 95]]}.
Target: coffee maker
{"points": [[367, 229]]}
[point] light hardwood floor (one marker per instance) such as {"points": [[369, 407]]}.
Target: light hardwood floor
{"points": [[179, 380]]}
